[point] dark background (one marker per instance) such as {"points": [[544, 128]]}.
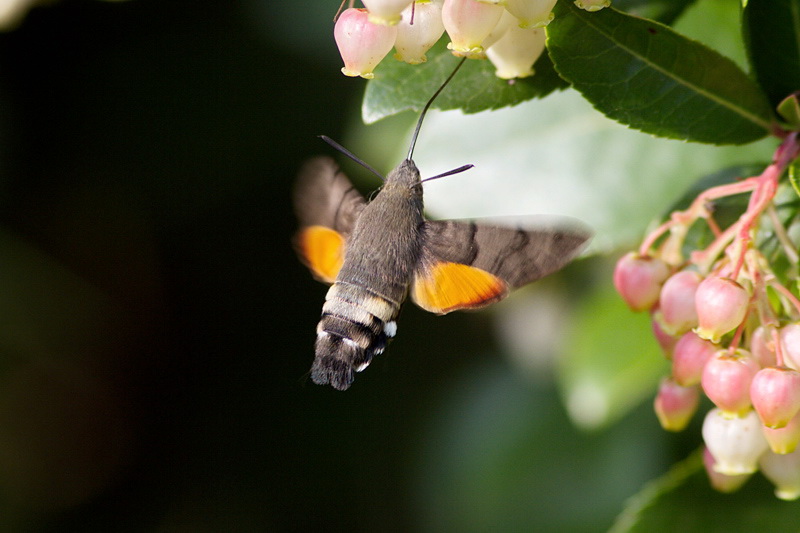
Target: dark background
{"points": [[156, 328]]}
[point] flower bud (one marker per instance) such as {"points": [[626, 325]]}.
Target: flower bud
{"points": [[762, 347], [721, 307], [790, 345], [726, 381], [677, 302], [413, 40], [665, 340], [592, 5], [736, 443], [638, 280], [674, 405], [514, 54], [775, 393], [532, 13], [689, 358], [722, 482], [385, 12], [785, 439], [361, 43], [468, 23], [784, 472]]}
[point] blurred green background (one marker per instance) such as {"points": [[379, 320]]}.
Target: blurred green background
{"points": [[156, 328]]}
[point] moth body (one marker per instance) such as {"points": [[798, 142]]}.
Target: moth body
{"points": [[358, 317]]}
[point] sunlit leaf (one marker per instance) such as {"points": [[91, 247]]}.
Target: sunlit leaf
{"points": [[645, 75]]}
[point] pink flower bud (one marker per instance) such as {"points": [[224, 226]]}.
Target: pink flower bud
{"points": [[532, 13], [790, 345], [638, 280], [385, 12], [722, 482], [775, 393], [361, 43], [665, 340], [592, 5], [677, 302], [785, 439], [413, 40], [689, 358], [784, 472], [726, 381], [468, 23], [514, 54], [721, 307], [736, 443], [674, 405], [762, 347]]}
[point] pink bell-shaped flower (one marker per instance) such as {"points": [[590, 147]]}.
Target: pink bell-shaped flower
{"points": [[361, 43], [638, 280], [721, 307], [726, 381], [790, 345], [775, 393], [677, 302], [468, 23], [413, 40], [675, 405], [689, 358], [785, 439]]}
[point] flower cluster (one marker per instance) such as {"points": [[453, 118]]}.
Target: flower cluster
{"points": [[731, 328], [509, 32]]}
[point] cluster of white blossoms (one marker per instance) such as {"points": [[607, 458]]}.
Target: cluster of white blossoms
{"points": [[731, 329], [508, 32]]}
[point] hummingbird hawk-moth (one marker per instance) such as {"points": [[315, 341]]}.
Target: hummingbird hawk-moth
{"points": [[375, 254]]}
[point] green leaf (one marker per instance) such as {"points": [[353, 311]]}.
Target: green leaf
{"points": [[398, 86], [645, 75], [664, 11], [772, 36], [682, 500], [606, 370]]}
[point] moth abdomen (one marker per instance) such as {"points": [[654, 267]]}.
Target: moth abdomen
{"points": [[349, 335]]}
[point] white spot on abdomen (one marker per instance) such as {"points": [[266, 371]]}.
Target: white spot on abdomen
{"points": [[390, 329]]}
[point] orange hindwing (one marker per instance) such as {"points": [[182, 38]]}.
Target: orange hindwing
{"points": [[443, 287]]}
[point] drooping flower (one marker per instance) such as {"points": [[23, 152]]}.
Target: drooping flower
{"points": [[413, 40], [361, 43]]}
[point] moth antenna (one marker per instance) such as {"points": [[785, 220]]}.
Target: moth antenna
{"points": [[448, 173], [351, 155], [428, 105]]}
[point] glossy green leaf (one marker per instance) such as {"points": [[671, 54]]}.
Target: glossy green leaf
{"points": [[644, 75], [398, 86], [772, 36], [682, 500], [611, 362], [664, 11]]}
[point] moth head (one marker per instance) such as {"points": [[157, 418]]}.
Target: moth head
{"points": [[405, 175]]}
